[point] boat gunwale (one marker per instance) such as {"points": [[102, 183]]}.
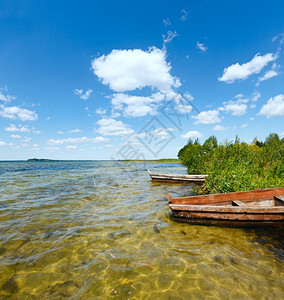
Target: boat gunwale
{"points": [[228, 209]]}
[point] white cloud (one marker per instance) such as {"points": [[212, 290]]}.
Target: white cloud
{"points": [[269, 74], [100, 139], [15, 112], [184, 15], [112, 127], [243, 125], [219, 128], [35, 131], [135, 106], [84, 96], [281, 134], [26, 139], [279, 37], [78, 140], [201, 46], [2, 143], [169, 37], [6, 98], [15, 136], [192, 135], [186, 109], [100, 111], [207, 117], [74, 131], [255, 96], [14, 128], [167, 22], [274, 107], [60, 132], [52, 149], [161, 133], [241, 72], [127, 70], [71, 147], [237, 108]]}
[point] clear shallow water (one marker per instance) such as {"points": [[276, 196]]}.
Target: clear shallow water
{"points": [[97, 230]]}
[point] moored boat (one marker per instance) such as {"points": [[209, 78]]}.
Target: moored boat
{"points": [[177, 177], [257, 207]]}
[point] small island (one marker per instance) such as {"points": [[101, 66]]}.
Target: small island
{"points": [[40, 159]]}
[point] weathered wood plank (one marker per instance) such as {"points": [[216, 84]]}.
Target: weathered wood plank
{"points": [[279, 200], [239, 203], [266, 194], [232, 216], [228, 209]]}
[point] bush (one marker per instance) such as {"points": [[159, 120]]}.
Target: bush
{"points": [[236, 166]]}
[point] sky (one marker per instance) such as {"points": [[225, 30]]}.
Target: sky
{"points": [[137, 79]]}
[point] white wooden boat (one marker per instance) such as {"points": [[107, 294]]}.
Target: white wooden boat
{"points": [[177, 177]]}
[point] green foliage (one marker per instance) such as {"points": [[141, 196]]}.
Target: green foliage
{"points": [[236, 166]]}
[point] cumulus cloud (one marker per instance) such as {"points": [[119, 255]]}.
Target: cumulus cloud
{"points": [[207, 117], [6, 98], [255, 96], [268, 74], [137, 106], [161, 133], [15, 136], [241, 72], [74, 131], [219, 128], [112, 127], [79, 140], [274, 107], [169, 37], [127, 70], [15, 112], [201, 47], [100, 111], [236, 108], [14, 128], [84, 96], [71, 147], [192, 135]]}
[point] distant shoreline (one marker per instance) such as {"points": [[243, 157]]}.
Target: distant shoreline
{"points": [[163, 160]]}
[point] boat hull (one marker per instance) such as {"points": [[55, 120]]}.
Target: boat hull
{"points": [[177, 178], [259, 207]]}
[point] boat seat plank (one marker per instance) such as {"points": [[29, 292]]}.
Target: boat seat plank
{"points": [[279, 200], [238, 203]]}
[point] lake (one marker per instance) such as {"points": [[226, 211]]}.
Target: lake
{"points": [[102, 229]]}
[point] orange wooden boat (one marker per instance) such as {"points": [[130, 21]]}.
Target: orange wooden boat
{"points": [[257, 207]]}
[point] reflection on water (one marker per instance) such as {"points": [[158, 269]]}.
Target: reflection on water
{"points": [[92, 230]]}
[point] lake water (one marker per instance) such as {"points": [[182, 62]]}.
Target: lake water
{"points": [[102, 229]]}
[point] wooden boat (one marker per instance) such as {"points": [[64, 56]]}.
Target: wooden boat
{"points": [[257, 207], [177, 177]]}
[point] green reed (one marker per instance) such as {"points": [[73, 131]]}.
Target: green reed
{"points": [[236, 166]]}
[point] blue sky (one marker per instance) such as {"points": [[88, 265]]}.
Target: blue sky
{"points": [[129, 79]]}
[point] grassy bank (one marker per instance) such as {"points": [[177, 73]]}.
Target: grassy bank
{"points": [[236, 166], [163, 160]]}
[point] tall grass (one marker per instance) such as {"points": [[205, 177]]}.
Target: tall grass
{"points": [[236, 166]]}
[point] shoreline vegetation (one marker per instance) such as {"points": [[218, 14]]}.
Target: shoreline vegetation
{"points": [[235, 166]]}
